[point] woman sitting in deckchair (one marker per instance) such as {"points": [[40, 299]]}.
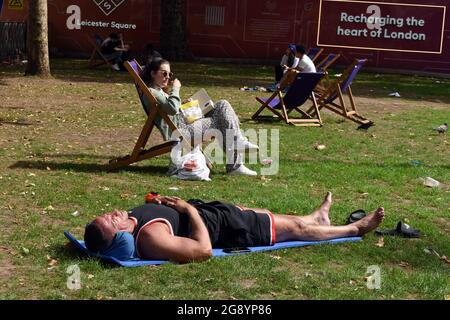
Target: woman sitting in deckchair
{"points": [[222, 117]]}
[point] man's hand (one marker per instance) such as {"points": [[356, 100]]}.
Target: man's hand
{"points": [[178, 204]]}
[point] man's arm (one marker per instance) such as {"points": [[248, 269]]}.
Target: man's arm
{"points": [[156, 242]]}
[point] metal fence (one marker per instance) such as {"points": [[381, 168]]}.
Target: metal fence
{"points": [[12, 39]]}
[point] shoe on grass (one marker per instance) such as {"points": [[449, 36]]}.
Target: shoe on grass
{"points": [[242, 171]]}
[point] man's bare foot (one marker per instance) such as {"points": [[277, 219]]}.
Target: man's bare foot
{"points": [[369, 222], [320, 216]]}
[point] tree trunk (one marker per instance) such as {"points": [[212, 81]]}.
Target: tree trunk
{"points": [[173, 30], [37, 39]]}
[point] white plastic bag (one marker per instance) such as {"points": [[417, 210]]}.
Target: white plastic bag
{"points": [[191, 166]]}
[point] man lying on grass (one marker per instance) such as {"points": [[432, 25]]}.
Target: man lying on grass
{"points": [[176, 230]]}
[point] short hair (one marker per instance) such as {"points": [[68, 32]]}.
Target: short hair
{"points": [[301, 49], [96, 238]]}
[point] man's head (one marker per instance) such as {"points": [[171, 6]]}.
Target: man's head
{"points": [[291, 49], [300, 51], [99, 234]]}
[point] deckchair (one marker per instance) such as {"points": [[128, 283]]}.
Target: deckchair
{"points": [[299, 90], [139, 152], [332, 97], [97, 57], [314, 53], [324, 64]]}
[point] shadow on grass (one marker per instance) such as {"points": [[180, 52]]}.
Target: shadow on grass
{"points": [[17, 123], [68, 252], [86, 167], [73, 155]]}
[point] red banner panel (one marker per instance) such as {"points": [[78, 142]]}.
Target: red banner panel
{"points": [[381, 26]]}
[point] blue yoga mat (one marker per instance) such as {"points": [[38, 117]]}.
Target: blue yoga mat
{"points": [[216, 252]]}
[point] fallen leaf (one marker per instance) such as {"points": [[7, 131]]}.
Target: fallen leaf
{"points": [[75, 213], [380, 242], [445, 259], [320, 147], [51, 262], [403, 264]]}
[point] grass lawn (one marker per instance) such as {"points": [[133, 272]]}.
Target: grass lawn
{"points": [[56, 134]]}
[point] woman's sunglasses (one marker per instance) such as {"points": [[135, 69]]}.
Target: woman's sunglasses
{"points": [[167, 74]]}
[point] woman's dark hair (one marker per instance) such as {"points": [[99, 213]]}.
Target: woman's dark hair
{"points": [[95, 238], [154, 66]]}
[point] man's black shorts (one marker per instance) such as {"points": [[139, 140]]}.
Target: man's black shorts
{"points": [[229, 226]]}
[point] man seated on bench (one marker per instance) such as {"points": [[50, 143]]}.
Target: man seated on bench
{"points": [[176, 230]]}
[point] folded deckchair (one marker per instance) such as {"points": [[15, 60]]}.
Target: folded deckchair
{"points": [[314, 53], [216, 252], [139, 152], [333, 96], [298, 92], [97, 57]]}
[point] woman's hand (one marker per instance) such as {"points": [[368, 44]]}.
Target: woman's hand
{"points": [[176, 83]]}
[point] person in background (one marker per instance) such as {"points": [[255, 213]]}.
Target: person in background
{"points": [[305, 64], [289, 60], [150, 53], [114, 49]]}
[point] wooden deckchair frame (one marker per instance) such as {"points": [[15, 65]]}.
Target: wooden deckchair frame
{"points": [[324, 64], [348, 111], [318, 53], [307, 117], [97, 57], [139, 152]]}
